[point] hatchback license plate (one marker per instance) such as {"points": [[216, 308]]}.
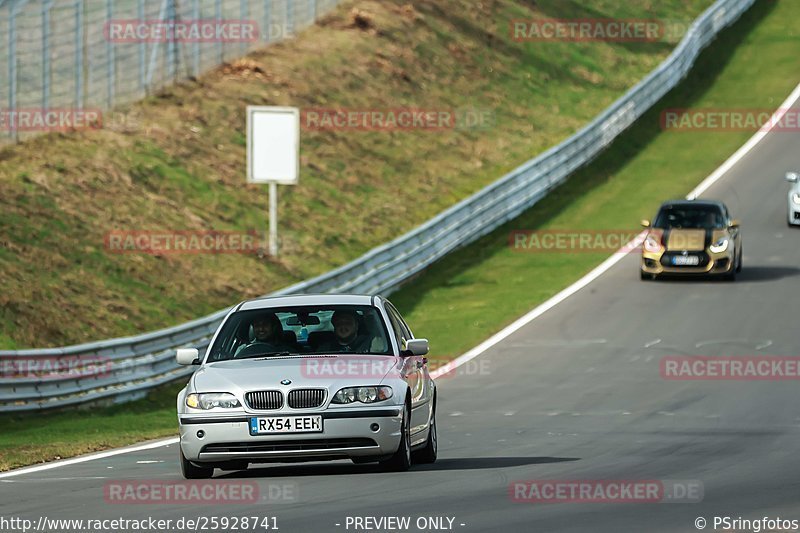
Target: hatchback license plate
{"points": [[270, 425], [685, 260]]}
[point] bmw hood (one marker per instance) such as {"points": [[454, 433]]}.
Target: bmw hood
{"points": [[284, 373]]}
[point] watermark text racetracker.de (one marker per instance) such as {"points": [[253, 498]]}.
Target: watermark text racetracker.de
{"points": [[730, 120], [181, 31], [729, 368], [396, 119], [206, 492], [575, 241], [606, 491], [54, 367], [587, 29], [181, 242], [376, 367]]}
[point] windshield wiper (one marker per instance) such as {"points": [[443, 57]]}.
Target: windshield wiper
{"points": [[268, 354]]}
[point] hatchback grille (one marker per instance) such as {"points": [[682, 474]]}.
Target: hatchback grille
{"points": [[264, 400], [306, 398]]}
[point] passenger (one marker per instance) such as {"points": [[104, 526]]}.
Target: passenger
{"points": [[347, 337]]}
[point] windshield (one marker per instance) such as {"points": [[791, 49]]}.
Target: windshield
{"points": [[690, 216], [280, 331]]}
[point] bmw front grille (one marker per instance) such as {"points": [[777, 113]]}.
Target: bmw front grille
{"points": [[306, 398], [264, 400]]}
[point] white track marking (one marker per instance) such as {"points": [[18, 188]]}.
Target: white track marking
{"points": [[504, 333], [90, 457]]}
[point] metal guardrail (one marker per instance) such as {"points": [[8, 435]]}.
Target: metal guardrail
{"points": [[59, 54], [135, 364]]}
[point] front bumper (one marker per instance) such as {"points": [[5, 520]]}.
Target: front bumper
{"points": [[346, 434], [657, 263]]}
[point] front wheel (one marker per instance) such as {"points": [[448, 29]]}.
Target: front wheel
{"points": [[190, 471], [401, 460]]}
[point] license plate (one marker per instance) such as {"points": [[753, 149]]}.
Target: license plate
{"points": [[685, 260], [271, 425]]}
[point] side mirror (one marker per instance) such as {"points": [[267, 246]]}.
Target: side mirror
{"points": [[417, 346], [187, 356], [735, 223], [645, 223], [792, 177]]}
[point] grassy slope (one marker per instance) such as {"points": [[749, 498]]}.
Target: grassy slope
{"points": [[179, 161]]}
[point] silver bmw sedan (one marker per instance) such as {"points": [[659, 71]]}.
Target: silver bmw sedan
{"points": [[308, 378]]}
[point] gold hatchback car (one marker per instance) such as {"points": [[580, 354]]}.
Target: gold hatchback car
{"points": [[692, 237]]}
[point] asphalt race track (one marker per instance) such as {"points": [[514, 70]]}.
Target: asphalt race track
{"points": [[574, 395]]}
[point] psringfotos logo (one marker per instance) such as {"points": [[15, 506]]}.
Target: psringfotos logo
{"points": [[607, 491], [729, 368], [586, 29], [205, 492], [55, 367], [181, 242], [181, 31], [575, 241]]}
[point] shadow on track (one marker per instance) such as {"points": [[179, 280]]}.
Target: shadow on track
{"points": [[344, 468]]}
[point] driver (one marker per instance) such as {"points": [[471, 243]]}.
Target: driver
{"points": [[347, 337], [268, 336]]}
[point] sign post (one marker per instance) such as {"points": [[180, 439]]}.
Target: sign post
{"points": [[273, 155]]}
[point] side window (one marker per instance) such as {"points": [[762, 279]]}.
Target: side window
{"points": [[401, 329]]}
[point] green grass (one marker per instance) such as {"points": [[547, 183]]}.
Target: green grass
{"points": [[486, 285]]}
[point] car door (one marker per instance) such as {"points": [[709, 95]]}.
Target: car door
{"points": [[417, 370]]}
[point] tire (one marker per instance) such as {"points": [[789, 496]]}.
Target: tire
{"points": [[401, 460], [427, 455], [739, 263], [190, 471]]}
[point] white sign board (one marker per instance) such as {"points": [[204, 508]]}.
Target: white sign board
{"points": [[273, 145]]}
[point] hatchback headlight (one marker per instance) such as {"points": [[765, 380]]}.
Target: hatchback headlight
{"points": [[796, 198], [210, 400], [720, 246], [652, 243], [362, 394]]}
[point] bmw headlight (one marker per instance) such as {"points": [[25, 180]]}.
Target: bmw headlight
{"points": [[210, 400], [720, 246], [796, 198], [362, 394]]}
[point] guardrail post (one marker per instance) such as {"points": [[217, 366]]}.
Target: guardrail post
{"points": [[196, 47], [111, 58], [289, 15], [80, 49], [46, 73], [267, 20], [12, 67], [172, 46], [220, 44], [142, 52]]}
